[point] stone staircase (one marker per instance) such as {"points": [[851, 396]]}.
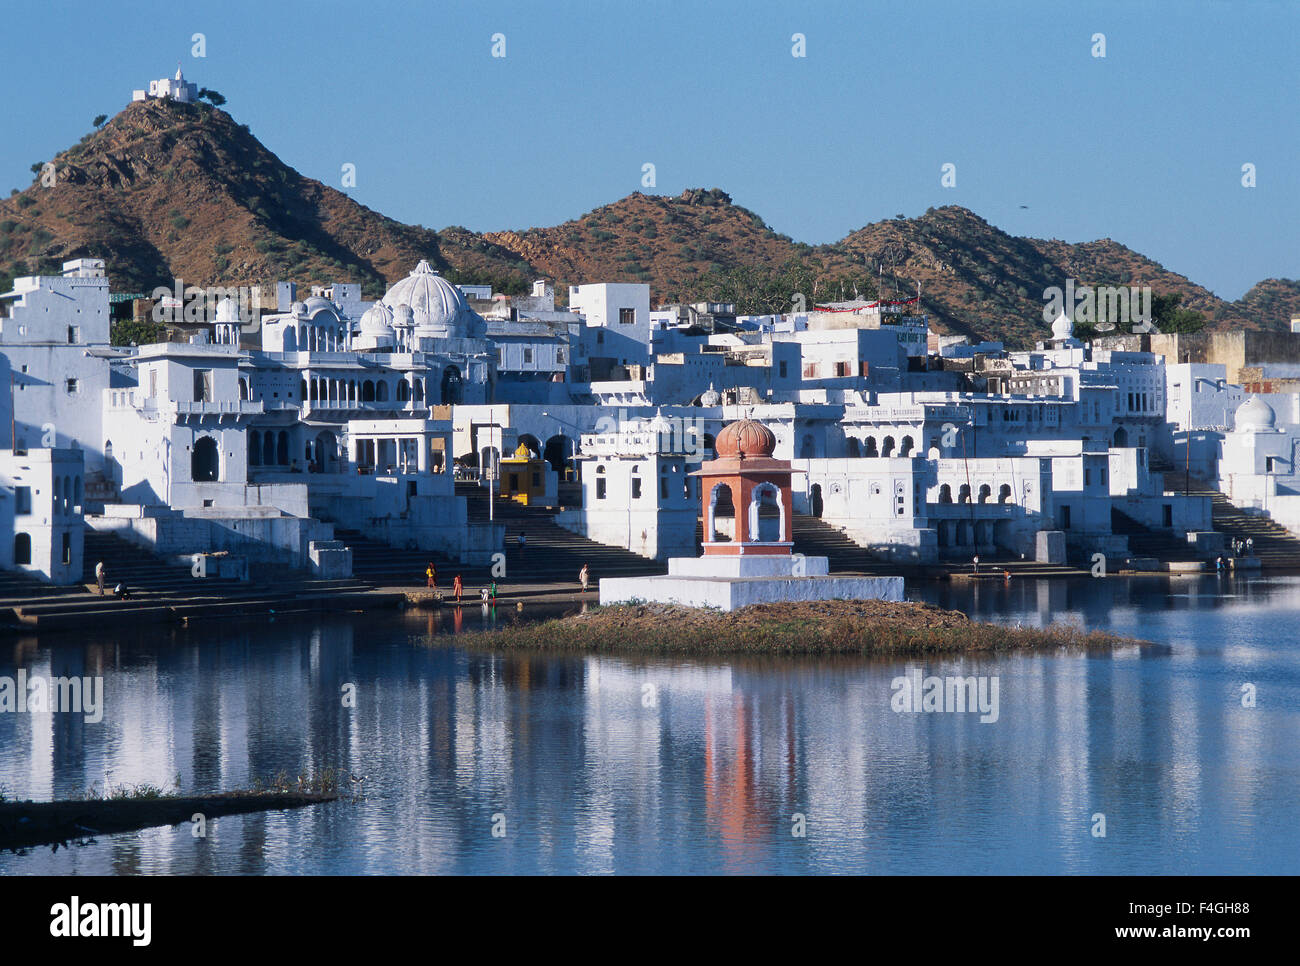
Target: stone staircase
{"points": [[1145, 542], [1275, 546], [552, 555]]}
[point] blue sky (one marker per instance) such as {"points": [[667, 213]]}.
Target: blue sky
{"points": [[1145, 146]]}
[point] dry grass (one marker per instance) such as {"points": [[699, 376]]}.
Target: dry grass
{"points": [[825, 627]]}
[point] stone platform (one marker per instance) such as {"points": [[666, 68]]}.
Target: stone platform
{"points": [[729, 583]]}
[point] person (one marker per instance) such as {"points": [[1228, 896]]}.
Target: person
{"points": [[431, 572], [975, 563], [1006, 574], [121, 593], [457, 588], [523, 540], [1218, 564], [493, 593], [99, 577], [583, 577], [1250, 546]]}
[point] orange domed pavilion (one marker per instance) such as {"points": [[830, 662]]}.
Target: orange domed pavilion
{"points": [[756, 487]]}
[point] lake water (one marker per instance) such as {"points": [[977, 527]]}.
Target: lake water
{"points": [[637, 764]]}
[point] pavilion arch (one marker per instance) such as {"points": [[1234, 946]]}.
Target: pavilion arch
{"points": [[887, 448], [1121, 437], [766, 514], [403, 393], [985, 493], [906, 448], [254, 448], [853, 448], [205, 460], [451, 386], [963, 493], [268, 448], [1004, 493], [720, 522], [945, 494], [381, 390], [282, 448], [872, 450], [368, 391], [324, 452]]}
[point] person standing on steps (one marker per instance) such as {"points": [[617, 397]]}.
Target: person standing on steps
{"points": [[975, 564], [457, 588], [583, 577], [99, 577], [523, 542], [431, 572]]}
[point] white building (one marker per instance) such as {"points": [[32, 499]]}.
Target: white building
{"points": [[41, 492], [176, 88]]}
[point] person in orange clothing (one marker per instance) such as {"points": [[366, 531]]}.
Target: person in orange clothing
{"points": [[431, 572], [457, 588]]}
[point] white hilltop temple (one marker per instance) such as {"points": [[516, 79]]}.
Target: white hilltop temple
{"points": [[175, 88]]}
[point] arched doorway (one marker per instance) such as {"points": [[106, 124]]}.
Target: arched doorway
{"points": [[22, 549], [205, 460], [534, 445], [324, 452], [766, 514], [1121, 437], [451, 386], [815, 500], [558, 452]]}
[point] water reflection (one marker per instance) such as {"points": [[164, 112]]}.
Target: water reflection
{"points": [[637, 764]]}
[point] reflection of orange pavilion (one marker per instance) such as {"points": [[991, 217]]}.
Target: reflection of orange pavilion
{"points": [[746, 494]]}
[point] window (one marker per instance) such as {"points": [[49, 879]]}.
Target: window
{"points": [[22, 499], [74, 334], [636, 487], [153, 383], [67, 548], [841, 368], [70, 386], [528, 355], [559, 355], [203, 385], [781, 369], [600, 486], [22, 548], [626, 316]]}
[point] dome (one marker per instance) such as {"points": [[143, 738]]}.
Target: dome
{"points": [[403, 317], [439, 308], [745, 439], [523, 451], [377, 320], [320, 311], [710, 397], [1063, 327], [227, 312], [1255, 415]]}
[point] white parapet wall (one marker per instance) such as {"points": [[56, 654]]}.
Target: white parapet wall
{"points": [[729, 583]]}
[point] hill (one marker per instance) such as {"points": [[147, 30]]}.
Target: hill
{"points": [[169, 190]]}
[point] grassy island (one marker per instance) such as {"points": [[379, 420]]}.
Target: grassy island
{"points": [[871, 627]]}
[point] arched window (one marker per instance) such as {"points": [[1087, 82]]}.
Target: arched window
{"points": [[872, 449], [205, 460], [887, 448], [268, 448], [367, 391], [22, 548], [906, 448], [403, 390], [945, 494], [963, 494], [381, 391], [766, 514], [986, 491], [852, 447], [282, 448], [254, 448], [1004, 493]]}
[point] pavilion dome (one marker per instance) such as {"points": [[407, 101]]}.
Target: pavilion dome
{"points": [[710, 397], [377, 320], [1255, 415], [1063, 327], [745, 439], [227, 312], [439, 308], [320, 311]]}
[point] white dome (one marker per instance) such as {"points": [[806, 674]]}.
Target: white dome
{"points": [[227, 312], [377, 320], [439, 308], [320, 311], [710, 397], [1063, 327], [1254, 415], [403, 317]]}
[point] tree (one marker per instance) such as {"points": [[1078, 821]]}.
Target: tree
{"points": [[212, 96], [99, 120], [136, 332], [1168, 315]]}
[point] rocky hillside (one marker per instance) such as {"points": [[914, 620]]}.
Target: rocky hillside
{"points": [[166, 190]]}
